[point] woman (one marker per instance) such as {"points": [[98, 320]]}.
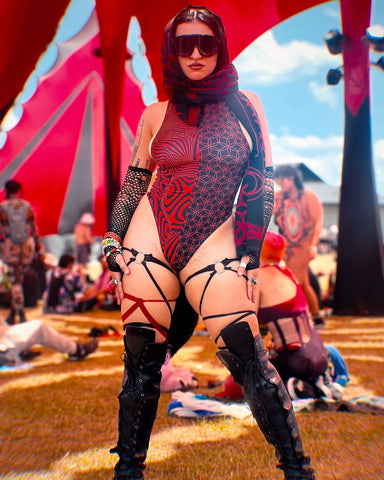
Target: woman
{"points": [[299, 216], [298, 352], [206, 140]]}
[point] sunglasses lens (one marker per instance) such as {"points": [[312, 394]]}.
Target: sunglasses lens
{"points": [[208, 45], [182, 46], [185, 44]]}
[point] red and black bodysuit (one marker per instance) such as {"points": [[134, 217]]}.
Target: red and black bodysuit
{"points": [[200, 168], [203, 160]]}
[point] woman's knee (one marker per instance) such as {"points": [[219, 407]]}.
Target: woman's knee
{"points": [[238, 338]]}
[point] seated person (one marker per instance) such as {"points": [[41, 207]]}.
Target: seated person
{"points": [[17, 339], [101, 288], [295, 349], [67, 290]]}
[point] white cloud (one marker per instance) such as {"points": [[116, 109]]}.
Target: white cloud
{"points": [[310, 142], [267, 62], [322, 155], [378, 149], [332, 13], [324, 93], [12, 118]]}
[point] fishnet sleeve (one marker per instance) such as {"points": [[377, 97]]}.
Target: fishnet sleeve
{"points": [[134, 187], [254, 262]]}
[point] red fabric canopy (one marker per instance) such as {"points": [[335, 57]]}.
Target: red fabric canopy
{"points": [[26, 29], [58, 149], [27, 26], [244, 22]]}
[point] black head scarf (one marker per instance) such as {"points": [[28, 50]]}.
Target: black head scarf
{"points": [[187, 93]]}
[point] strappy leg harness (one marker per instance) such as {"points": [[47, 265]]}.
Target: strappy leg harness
{"points": [[144, 259], [217, 269], [140, 390], [243, 355], [247, 359]]}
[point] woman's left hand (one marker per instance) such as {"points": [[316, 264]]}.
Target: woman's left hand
{"points": [[252, 284]]}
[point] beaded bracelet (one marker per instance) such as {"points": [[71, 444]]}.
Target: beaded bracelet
{"points": [[111, 251], [107, 243], [112, 236]]}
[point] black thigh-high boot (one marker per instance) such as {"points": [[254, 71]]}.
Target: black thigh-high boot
{"points": [[267, 397], [138, 400]]}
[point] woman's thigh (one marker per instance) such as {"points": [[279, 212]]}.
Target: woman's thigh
{"points": [[218, 294], [221, 300], [152, 287], [150, 293]]}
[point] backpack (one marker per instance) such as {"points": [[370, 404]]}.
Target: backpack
{"points": [[17, 216]]}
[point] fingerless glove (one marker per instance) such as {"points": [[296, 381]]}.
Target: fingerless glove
{"points": [[134, 187]]}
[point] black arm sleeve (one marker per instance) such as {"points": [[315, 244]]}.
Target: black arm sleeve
{"points": [[134, 187], [254, 262]]}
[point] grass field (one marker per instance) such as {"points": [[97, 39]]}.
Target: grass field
{"points": [[58, 419]]}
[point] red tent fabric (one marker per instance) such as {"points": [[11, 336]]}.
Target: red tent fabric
{"points": [[27, 26], [114, 20], [244, 22], [26, 29], [356, 58], [58, 149]]}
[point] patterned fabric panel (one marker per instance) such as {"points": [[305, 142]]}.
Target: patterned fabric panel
{"points": [[200, 170]]}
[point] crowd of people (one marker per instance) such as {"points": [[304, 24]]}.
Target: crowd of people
{"points": [[178, 251], [29, 274]]}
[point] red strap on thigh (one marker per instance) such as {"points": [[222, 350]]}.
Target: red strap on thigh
{"points": [[139, 303]]}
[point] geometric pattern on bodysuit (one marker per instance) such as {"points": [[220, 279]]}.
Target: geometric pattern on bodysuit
{"points": [[200, 171]]}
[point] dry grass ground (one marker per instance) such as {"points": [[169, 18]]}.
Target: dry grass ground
{"points": [[58, 419]]}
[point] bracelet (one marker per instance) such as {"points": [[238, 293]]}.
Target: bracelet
{"points": [[109, 242], [114, 250], [112, 236]]}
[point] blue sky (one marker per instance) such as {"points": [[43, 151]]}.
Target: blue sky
{"points": [[287, 67]]}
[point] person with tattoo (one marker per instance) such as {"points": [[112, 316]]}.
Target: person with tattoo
{"points": [[19, 244], [298, 213], [181, 241]]}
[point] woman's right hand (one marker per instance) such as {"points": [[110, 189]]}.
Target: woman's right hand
{"points": [[117, 276]]}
